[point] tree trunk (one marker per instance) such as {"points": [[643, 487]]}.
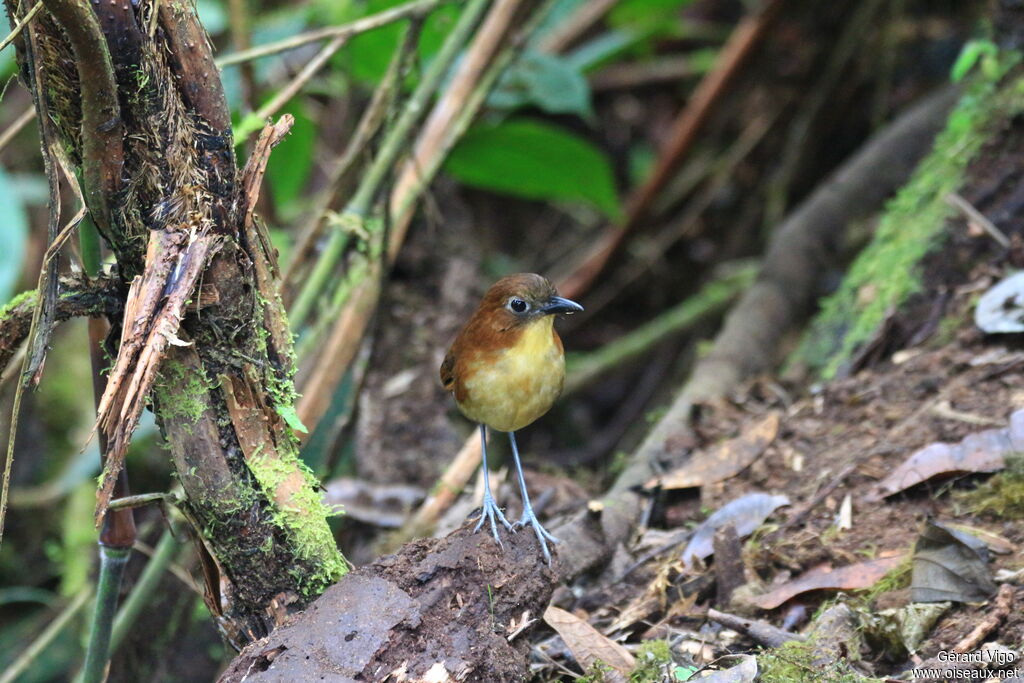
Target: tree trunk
{"points": [[129, 95]]}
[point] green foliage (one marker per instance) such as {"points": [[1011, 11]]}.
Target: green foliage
{"points": [[13, 236], [293, 160], [886, 273], [656, 18], [550, 83], [652, 660], [974, 51], [598, 673], [796, 662], [535, 160], [367, 56]]}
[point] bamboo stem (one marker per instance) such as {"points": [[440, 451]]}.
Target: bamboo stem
{"points": [[393, 145]]}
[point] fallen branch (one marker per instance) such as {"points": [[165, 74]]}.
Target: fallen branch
{"points": [[760, 632], [1002, 606], [799, 250]]}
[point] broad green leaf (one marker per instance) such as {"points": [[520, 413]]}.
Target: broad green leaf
{"points": [[527, 158], [13, 236], [367, 55], [550, 83], [292, 160]]}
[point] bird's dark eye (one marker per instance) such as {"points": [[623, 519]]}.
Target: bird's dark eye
{"points": [[517, 305]]}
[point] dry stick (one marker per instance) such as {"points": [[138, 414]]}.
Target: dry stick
{"points": [[1003, 606], [698, 109], [51, 251], [16, 127], [668, 69], [972, 214], [291, 90], [760, 632], [800, 249], [361, 303], [369, 124], [407, 11], [439, 131], [22, 22], [718, 175], [588, 14], [395, 141]]}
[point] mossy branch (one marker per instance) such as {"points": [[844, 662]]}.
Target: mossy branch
{"points": [[78, 298]]}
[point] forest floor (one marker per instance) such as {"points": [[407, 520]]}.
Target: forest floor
{"points": [[827, 451]]}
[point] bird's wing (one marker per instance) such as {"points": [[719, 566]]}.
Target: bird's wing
{"points": [[448, 371]]}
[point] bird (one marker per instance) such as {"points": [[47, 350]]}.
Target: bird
{"points": [[505, 369]]}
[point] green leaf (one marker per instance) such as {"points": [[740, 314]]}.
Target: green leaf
{"points": [[292, 160], [288, 414], [527, 158], [645, 12], [972, 52], [684, 673], [368, 54], [548, 82], [13, 236]]}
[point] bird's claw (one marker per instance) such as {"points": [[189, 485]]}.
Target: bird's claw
{"points": [[490, 511], [529, 518]]}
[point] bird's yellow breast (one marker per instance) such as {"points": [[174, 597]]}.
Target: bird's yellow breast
{"points": [[509, 388]]}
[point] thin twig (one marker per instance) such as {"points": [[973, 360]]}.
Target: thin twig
{"points": [[972, 214], [142, 499], [256, 121], [588, 14], [21, 24], [410, 10], [369, 124], [393, 145], [16, 127], [698, 109]]}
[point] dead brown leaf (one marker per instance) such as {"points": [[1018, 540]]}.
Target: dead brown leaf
{"points": [[982, 451], [725, 460], [587, 644], [850, 577]]}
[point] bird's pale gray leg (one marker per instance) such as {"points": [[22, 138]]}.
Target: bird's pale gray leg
{"points": [[490, 510], [528, 516]]}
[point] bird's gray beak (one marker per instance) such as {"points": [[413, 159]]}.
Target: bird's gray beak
{"points": [[557, 304]]}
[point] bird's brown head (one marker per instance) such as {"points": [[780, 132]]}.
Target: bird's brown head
{"points": [[518, 299]]}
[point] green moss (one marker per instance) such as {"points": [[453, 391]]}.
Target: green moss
{"points": [[652, 661], [797, 662], [17, 301], [183, 393], [1003, 494], [598, 673], [887, 272], [304, 518]]}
